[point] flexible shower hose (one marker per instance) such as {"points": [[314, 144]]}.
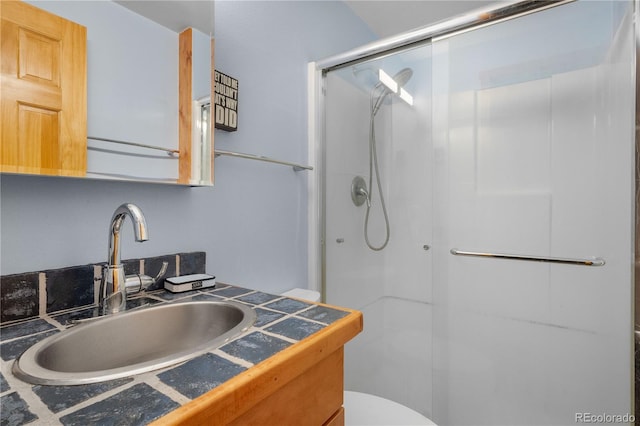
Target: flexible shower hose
{"points": [[373, 167]]}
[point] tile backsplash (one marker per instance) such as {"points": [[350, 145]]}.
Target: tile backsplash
{"points": [[30, 294]]}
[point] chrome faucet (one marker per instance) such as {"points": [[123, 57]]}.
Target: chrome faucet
{"points": [[113, 289]]}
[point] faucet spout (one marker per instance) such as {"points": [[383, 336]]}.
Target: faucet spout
{"points": [[139, 229], [113, 295]]}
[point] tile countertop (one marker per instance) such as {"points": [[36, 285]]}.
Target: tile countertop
{"points": [[281, 323]]}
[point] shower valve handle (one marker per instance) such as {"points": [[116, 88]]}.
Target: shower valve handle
{"points": [[359, 193], [363, 192]]}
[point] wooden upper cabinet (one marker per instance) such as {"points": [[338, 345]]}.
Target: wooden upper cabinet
{"points": [[43, 92]]}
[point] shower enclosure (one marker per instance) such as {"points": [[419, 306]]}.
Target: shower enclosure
{"points": [[506, 191]]}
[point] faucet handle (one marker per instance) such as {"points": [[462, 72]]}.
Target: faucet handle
{"points": [[137, 283], [163, 270]]}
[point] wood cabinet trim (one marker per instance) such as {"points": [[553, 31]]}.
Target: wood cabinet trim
{"points": [[185, 106], [337, 419], [312, 397]]}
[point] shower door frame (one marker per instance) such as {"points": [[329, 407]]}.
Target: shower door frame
{"points": [[469, 21]]}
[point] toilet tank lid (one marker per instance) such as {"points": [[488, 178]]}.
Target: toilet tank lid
{"points": [[303, 293]]}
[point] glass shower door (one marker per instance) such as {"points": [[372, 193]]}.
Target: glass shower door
{"points": [[390, 285], [534, 130], [520, 141]]}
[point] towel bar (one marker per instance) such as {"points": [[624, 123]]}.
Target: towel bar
{"points": [[596, 261]]}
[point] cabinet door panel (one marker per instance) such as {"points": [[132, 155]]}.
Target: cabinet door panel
{"points": [[39, 57], [43, 98], [38, 136]]}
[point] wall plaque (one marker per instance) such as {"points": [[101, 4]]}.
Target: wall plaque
{"points": [[226, 102]]}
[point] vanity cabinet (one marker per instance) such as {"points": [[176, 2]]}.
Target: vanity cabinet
{"points": [[43, 96], [312, 398], [301, 385]]}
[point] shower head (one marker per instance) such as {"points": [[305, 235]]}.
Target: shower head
{"points": [[400, 78], [403, 76]]}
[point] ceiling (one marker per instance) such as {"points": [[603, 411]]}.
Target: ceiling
{"points": [[384, 17], [390, 17], [175, 15]]}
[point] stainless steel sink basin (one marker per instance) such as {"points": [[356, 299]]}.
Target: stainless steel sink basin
{"points": [[133, 342]]}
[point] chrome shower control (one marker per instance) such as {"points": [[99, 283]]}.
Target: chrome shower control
{"points": [[359, 193]]}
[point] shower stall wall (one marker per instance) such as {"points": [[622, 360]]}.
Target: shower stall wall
{"points": [[519, 141]]}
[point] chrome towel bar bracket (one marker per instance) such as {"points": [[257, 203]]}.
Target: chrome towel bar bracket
{"points": [[596, 261]]}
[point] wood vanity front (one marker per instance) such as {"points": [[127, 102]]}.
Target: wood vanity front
{"points": [[300, 385]]}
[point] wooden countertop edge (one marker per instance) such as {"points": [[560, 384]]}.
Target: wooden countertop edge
{"points": [[226, 402]]}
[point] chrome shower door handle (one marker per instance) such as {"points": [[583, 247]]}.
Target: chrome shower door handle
{"points": [[595, 261]]}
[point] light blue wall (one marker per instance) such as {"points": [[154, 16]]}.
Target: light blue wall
{"points": [[252, 224]]}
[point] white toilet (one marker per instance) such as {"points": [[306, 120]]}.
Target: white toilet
{"points": [[303, 293], [363, 409]]}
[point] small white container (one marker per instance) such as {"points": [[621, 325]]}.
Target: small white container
{"points": [[189, 282]]}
